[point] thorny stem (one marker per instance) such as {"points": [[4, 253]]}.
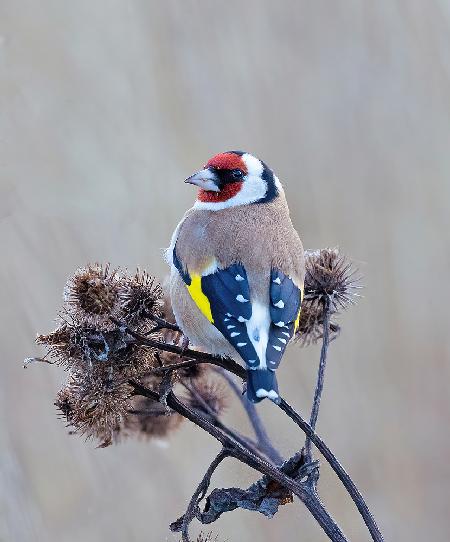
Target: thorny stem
{"points": [[200, 492], [262, 438], [320, 374], [303, 491]]}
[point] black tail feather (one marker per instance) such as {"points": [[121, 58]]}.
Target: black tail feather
{"points": [[261, 383]]}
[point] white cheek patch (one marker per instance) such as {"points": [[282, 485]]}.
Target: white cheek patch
{"points": [[278, 184], [253, 188], [254, 166]]}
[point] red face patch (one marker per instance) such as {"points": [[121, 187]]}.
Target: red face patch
{"points": [[227, 160], [227, 192]]}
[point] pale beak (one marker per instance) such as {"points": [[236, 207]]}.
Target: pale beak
{"points": [[205, 179]]}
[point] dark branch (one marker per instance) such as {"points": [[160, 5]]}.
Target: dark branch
{"points": [[338, 469], [321, 372], [302, 490], [262, 438], [235, 368], [217, 422], [161, 323], [193, 511], [199, 357]]}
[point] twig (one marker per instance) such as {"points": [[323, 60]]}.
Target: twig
{"points": [[343, 476], [199, 357], [320, 374], [199, 493], [161, 323], [262, 438], [217, 422], [303, 491], [238, 370]]}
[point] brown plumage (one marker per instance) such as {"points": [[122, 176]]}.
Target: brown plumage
{"points": [[258, 235]]}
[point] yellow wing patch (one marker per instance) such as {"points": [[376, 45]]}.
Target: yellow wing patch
{"points": [[297, 320], [202, 302]]}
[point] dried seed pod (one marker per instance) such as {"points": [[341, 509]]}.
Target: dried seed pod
{"points": [[141, 297], [331, 277], [310, 329], [95, 403], [91, 296], [330, 274], [58, 344]]}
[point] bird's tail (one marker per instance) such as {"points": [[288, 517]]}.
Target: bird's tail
{"points": [[262, 383]]}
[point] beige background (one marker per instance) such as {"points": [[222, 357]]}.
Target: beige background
{"points": [[105, 107]]}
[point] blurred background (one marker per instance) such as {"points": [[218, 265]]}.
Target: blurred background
{"points": [[105, 107]]}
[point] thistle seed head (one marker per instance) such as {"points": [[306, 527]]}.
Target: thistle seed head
{"points": [[91, 296], [140, 297]]}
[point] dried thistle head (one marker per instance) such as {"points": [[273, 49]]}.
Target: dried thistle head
{"points": [[310, 329], [138, 360], [74, 345], [91, 296], [149, 419], [95, 403], [140, 296], [330, 280], [330, 274], [57, 343], [209, 396]]}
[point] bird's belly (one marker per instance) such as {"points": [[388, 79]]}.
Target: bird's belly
{"points": [[200, 332]]}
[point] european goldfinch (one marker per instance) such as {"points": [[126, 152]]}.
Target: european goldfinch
{"points": [[237, 268]]}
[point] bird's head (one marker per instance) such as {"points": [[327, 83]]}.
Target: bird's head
{"points": [[234, 178]]}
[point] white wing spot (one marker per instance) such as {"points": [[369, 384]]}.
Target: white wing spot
{"points": [[231, 327], [277, 280], [282, 340], [241, 298], [239, 278], [228, 314], [242, 344], [278, 348], [234, 334], [226, 319], [286, 333], [241, 319], [252, 361], [279, 304], [280, 324]]}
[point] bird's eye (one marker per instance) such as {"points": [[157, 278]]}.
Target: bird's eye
{"points": [[237, 173]]}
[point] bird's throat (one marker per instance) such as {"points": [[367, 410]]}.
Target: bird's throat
{"points": [[228, 191]]}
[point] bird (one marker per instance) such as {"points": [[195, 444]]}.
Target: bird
{"points": [[237, 268]]}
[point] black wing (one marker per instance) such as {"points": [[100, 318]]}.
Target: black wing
{"points": [[285, 303], [228, 293]]}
